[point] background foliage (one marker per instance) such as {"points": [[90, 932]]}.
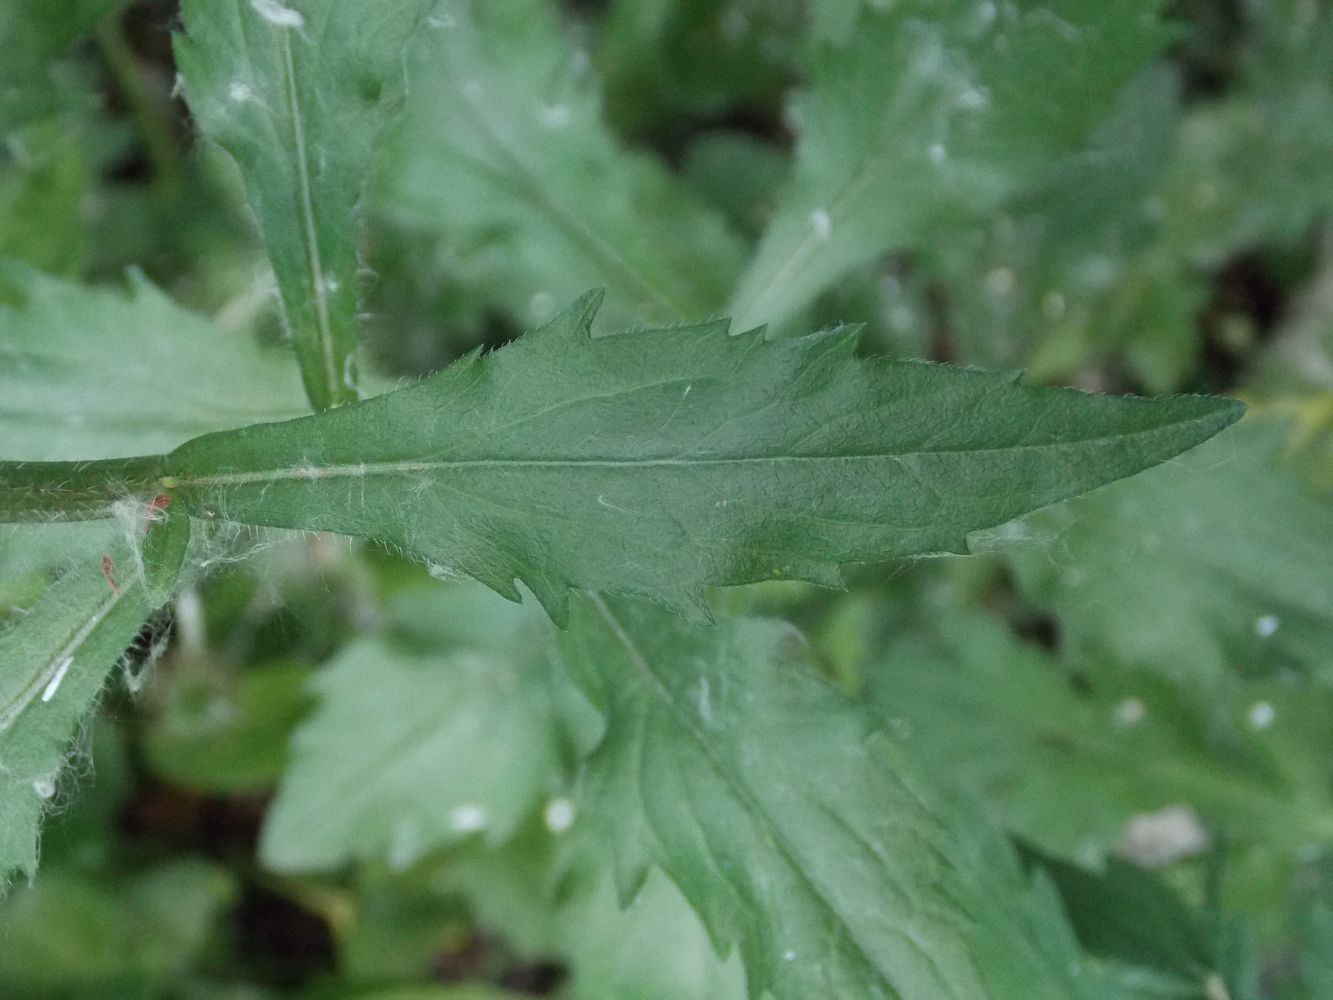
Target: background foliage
{"points": [[1107, 735]]}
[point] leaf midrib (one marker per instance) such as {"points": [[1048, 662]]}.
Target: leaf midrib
{"points": [[310, 231], [575, 228], [742, 794], [42, 676], [361, 470]]}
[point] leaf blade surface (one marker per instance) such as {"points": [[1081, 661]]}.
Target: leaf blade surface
{"points": [[298, 95], [793, 824], [657, 463]]}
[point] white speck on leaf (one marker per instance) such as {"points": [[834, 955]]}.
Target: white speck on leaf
{"points": [[1161, 838], [937, 152], [821, 223], [1001, 281], [974, 99], [541, 305], [554, 115], [44, 787], [404, 845], [1266, 625], [1260, 716], [788, 955], [1130, 712], [559, 815], [239, 93], [53, 685], [792, 118], [276, 14], [469, 818]]}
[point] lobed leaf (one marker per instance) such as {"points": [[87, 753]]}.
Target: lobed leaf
{"points": [[35, 34], [656, 463], [795, 825], [1211, 563], [112, 933], [926, 115], [654, 949], [55, 660], [1067, 761], [408, 752], [298, 95], [502, 153], [84, 372]]}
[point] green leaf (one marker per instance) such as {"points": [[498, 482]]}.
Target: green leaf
{"points": [[1316, 955], [1215, 562], [56, 659], [410, 752], [655, 949], [33, 35], [29, 551], [656, 463], [1057, 278], [672, 64], [79, 934], [1066, 762], [44, 191], [222, 731], [464, 992], [928, 115], [502, 153], [795, 825], [90, 373], [1134, 916], [298, 94]]}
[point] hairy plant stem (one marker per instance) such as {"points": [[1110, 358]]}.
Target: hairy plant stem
{"points": [[74, 491]]}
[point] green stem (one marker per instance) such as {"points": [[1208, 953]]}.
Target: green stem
{"points": [[145, 106], [74, 491]]}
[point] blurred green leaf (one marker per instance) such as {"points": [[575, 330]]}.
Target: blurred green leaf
{"points": [[1067, 761], [45, 182], [469, 992], [928, 115], [1213, 565], [737, 174], [90, 373], [225, 730], [1057, 277], [663, 59], [1316, 956], [655, 949], [298, 95], [502, 153], [109, 937], [407, 753], [33, 34], [1133, 916]]}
